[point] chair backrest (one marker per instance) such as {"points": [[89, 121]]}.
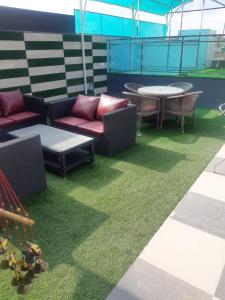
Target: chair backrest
{"points": [[186, 86], [222, 108], [181, 103], [133, 87], [143, 103]]}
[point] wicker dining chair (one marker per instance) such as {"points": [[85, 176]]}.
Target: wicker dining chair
{"points": [[222, 109], [186, 86], [133, 87], [146, 106], [180, 106]]}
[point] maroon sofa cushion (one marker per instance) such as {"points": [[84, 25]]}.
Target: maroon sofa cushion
{"points": [[95, 128], [12, 102], [85, 107], [109, 104], [69, 121], [23, 116], [5, 122]]}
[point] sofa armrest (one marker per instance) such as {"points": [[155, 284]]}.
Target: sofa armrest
{"points": [[22, 162], [36, 104], [60, 108], [120, 128]]}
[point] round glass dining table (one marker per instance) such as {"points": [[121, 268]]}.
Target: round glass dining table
{"points": [[160, 91]]}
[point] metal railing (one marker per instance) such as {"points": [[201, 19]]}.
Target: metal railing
{"points": [[189, 55]]}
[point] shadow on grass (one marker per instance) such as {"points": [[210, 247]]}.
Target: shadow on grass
{"points": [[208, 125], [99, 285], [151, 157], [61, 232]]}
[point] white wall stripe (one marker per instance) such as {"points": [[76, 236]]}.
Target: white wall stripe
{"points": [[75, 88], [13, 64], [46, 70], [98, 39], [99, 78], [44, 53], [99, 52], [78, 74], [58, 97], [98, 66], [12, 45], [11, 82], [76, 45], [101, 90], [47, 37], [50, 85], [77, 60]]}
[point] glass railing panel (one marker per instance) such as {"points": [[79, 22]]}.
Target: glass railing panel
{"points": [[187, 56]]}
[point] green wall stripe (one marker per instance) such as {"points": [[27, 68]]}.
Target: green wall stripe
{"points": [[99, 46], [77, 81], [98, 59], [43, 45], [12, 54], [78, 67], [48, 77], [25, 89], [76, 38], [11, 73], [77, 52], [100, 84], [51, 93], [11, 36], [43, 62], [100, 72]]}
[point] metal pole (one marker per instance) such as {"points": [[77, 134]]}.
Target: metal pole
{"points": [[199, 37], [182, 15], [83, 44], [138, 20], [168, 43], [181, 57], [142, 55]]}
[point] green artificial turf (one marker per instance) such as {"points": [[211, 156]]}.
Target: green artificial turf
{"points": [[206, 73], [93, 225]]}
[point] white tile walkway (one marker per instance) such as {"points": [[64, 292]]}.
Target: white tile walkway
{"points": [[185, 260]]}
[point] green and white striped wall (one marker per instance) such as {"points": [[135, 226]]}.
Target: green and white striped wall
{"points": [[50, 65]]}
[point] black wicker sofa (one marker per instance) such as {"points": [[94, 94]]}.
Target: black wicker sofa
{"points": [[110, 121]]}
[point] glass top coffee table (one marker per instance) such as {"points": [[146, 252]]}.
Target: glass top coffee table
{"points": [[160, 91], [63, 150]]}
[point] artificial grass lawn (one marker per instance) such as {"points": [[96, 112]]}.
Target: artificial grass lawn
{"points": [[206, 73], [93, 225]]}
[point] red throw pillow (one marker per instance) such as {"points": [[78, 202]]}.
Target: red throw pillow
{"points": [[85, 107], [109, 104], [12, 102]]}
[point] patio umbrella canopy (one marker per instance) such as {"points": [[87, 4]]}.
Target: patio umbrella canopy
{"points": [[159, 7]]}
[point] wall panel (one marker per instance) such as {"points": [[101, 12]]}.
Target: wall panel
{"points": [[50, 65]]}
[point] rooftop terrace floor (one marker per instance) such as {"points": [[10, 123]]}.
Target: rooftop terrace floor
{"points": [[93, 225]]}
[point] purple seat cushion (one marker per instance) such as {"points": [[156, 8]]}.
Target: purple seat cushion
{"points": [[23, 116], [70, 121], [5, 122], [95, 128], [12, 102], [109, 104], [85, 107]]}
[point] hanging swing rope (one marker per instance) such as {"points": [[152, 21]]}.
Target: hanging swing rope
{"points": [[14, 217], [15, 221]]}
